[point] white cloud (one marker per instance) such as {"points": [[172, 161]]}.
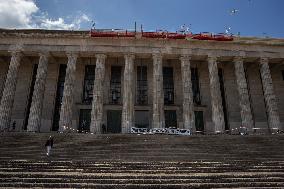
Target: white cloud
{"points": [[26, 14], [16, 13]]}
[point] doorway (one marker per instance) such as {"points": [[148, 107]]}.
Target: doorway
{"points": [[84, 120], [170, 119], [142, 118], [114, 121], [199, 124]]}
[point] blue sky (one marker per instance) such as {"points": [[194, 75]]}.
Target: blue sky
{"points": [[253, 18]]}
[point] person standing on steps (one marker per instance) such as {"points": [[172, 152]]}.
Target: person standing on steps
{"points": [[103, 129], [49, 145]]}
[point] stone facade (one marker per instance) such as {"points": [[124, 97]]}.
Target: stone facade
{"points": [[239, 83]]}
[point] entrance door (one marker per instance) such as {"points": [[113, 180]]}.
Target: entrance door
{"points": [[114, 121], [170, 118], [84, 120], [199, 124], [142, 119]]}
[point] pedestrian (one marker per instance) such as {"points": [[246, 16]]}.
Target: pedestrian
{"points": [[14, 125], [49, 145], [103, 128]]}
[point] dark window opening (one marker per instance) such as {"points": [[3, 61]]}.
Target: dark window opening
{"points": [[89, 84], [222, 88], [115, 85], [168, 83], [59, 96], [30, 96], [170, 119], [195, 86], [283, 75], [142, 86]]}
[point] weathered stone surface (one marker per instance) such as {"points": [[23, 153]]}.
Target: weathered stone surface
{"points": [[246, 114], [216, 100], [98, 95], [34, 121], [128, 96], [158, 92], [9, 90], [269, 96], [67, 101], [188, 113]]}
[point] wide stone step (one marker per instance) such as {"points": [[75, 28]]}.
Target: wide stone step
{"points": [[146, 186]]}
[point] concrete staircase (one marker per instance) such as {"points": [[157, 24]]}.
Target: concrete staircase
{"points": [[141, 161]]}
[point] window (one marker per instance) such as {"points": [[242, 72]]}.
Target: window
{"points": [[89, 84], [115, 85], [142, 86], [195, 86], [283, 75], [168, 83]]}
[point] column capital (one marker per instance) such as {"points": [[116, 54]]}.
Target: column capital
{"points": [[17, 48], [100, 56], [212, 58], [185, 57], [129, 56], [238, 59], [157, 56], [71, 54], [263, 60], [44, 54], [16, 53]]}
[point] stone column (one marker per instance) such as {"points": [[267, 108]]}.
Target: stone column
{"points": [[67, 101], [98, 95], [269, 96], [216, 99], [246, 114], [38, 94], [188, 112], [158, 93], [128, 94], [9, 90]]}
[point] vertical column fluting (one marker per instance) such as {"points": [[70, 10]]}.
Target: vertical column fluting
{"points": [[98, 95], [188, 112], [128, 95], [158, 93], [216, 100], [67, 100], [9, 90], [38, 94], [246, 114], [269, 96]]}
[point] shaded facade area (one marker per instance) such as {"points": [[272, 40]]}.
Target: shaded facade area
{"points": [[110, 85]]}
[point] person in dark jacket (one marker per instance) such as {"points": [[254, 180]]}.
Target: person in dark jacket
{"points": [[49, 145]]}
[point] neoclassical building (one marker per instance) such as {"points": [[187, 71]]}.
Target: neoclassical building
{"points": [[61, 80]]}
